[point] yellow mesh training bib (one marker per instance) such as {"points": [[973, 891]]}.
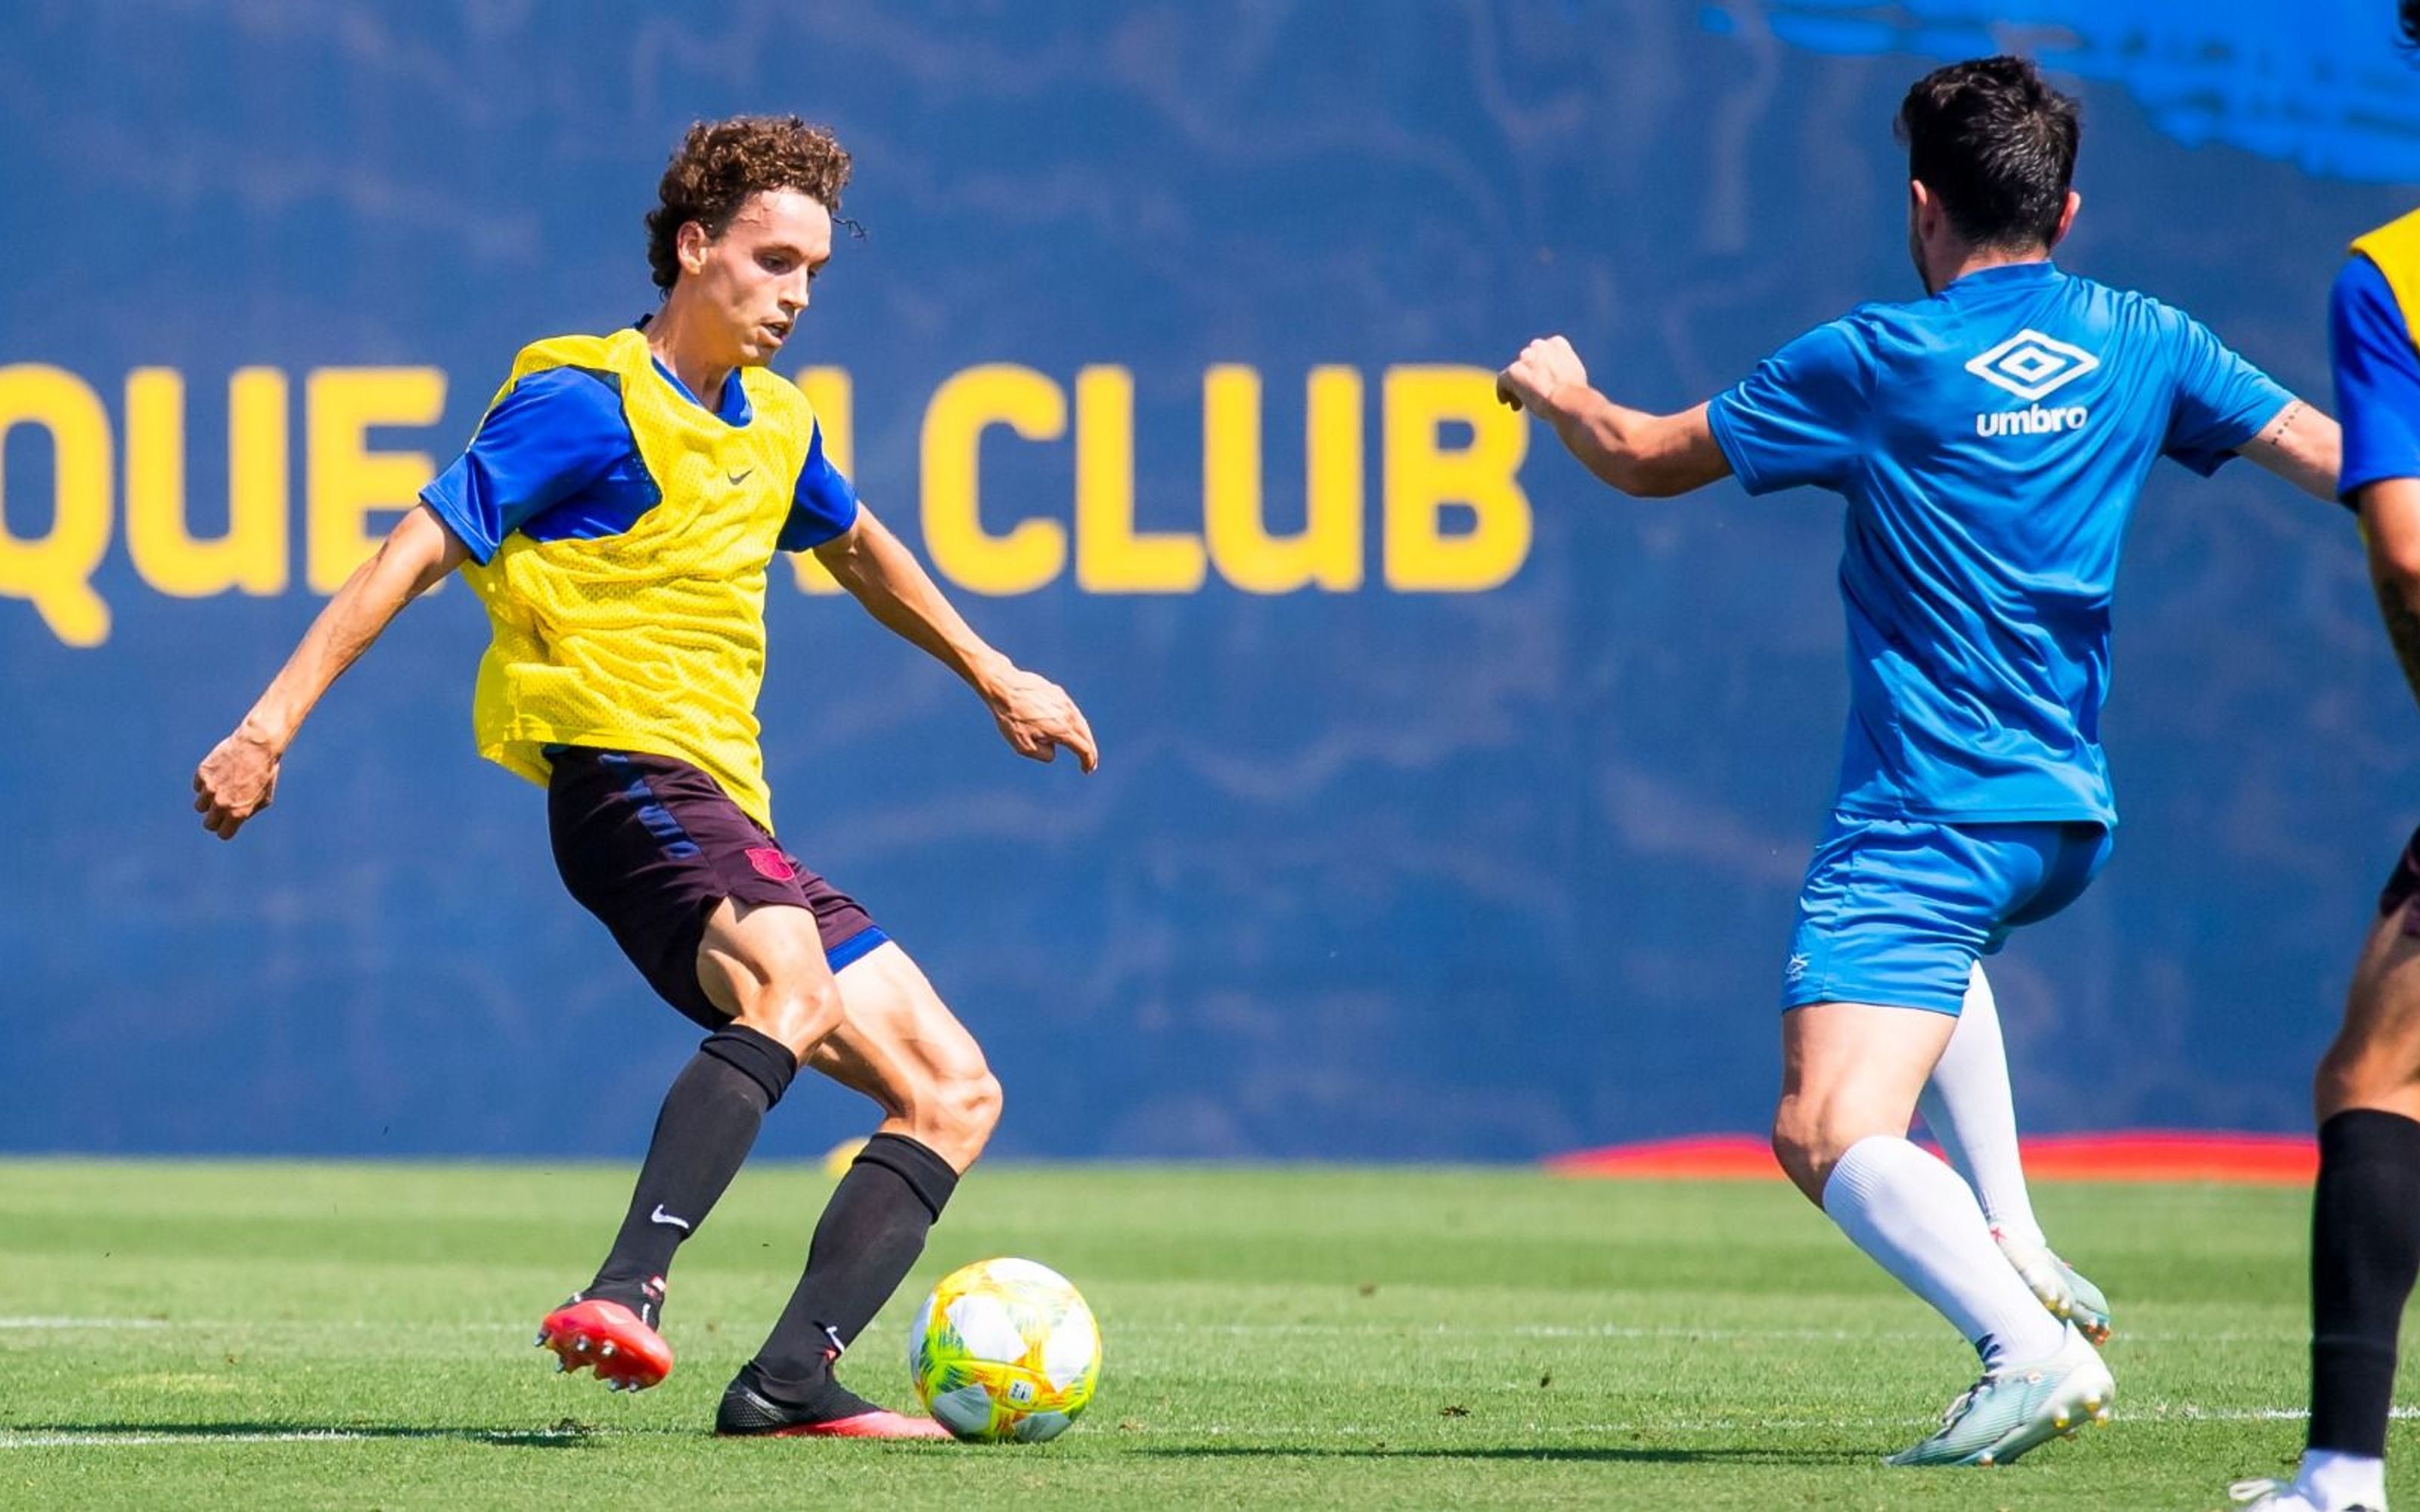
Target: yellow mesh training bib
{"points": [[652, 640], [2395, 250]]}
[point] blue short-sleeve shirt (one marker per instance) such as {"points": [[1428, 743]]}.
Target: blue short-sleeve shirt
{"points": [[2377, 378], [1991, 443]]}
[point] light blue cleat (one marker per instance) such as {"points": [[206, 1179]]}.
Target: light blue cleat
{"points": [[2018, 1408], [2058, 1287]]}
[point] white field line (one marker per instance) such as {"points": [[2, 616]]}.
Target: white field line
{"points": [[2163, 1413], [1658, 1331], [208, 1436], [1137, 1327], [204, 1436]]}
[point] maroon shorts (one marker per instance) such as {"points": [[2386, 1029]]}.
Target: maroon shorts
{"points": [[650, 844], [2403, 887]]}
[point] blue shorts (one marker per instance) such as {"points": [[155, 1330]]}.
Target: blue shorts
{"points": [[1896, 911]]}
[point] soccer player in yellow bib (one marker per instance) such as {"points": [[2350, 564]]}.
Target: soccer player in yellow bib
{"points": [[2366, 1204], [616, 513]]}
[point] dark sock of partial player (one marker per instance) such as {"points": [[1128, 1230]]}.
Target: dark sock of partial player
{"points": [[708, 1124], [2364, 1255], [871, 1233]]}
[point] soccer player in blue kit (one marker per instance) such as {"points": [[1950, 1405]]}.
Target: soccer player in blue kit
{"points": [[1990, 440]]}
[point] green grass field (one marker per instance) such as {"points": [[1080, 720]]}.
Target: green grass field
{"points": [[289, 1335]]}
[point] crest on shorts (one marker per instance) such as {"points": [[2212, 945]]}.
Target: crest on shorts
{"points": [[772, 864]]}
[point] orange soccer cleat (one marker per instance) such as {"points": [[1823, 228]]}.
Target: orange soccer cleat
{"points": [[625, 1352]]}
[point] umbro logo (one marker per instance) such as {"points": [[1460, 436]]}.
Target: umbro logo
{"points": [[2032, 366]]}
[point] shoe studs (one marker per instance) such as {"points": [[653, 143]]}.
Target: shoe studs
{"points": [[607, 1352], [542, 1337]]}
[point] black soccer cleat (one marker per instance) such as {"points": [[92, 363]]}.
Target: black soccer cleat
{"points": [[837, 1412]]}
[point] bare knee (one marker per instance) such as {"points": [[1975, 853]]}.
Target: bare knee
{"points": [[977, 1104], [764, 965], [2375, 1059], [2359, 1073], [1804, 1148], [800, 1016], [955, 1120], [2335, 1085], [1811, 1138], [1849, 1070]]}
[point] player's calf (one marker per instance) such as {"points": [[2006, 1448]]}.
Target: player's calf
{"points": [[870, 1234]]}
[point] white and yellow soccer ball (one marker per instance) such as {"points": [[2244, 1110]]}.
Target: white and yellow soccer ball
{"points": [[1005, 1351]]}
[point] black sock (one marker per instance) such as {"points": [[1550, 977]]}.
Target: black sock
{"points": [[2364, 1254], [708, 1124], [871, 1233]]}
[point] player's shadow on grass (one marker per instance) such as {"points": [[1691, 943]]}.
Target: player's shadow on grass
{"points": [[564, 1435], [1602, 1453]]}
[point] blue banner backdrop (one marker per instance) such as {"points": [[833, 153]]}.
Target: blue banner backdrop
{"points": [[1450, 806]]}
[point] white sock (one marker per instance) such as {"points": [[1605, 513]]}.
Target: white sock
{"points": [[1920, 1222], [1969, 1106], [2332, 1479]]}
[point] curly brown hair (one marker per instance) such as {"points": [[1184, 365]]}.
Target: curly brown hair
{"points": [[719, 165]]}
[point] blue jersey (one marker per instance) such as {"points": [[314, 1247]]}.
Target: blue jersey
{"points": [[2378, 377], [1991, 443]]}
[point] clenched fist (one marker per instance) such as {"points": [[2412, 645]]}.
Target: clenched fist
{"points": [[1543, 377], [236, 780]]}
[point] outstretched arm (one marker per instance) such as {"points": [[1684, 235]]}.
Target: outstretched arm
{"points": [[1034, 713], [2301, 446], [239, 777], [1647, 457]]}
